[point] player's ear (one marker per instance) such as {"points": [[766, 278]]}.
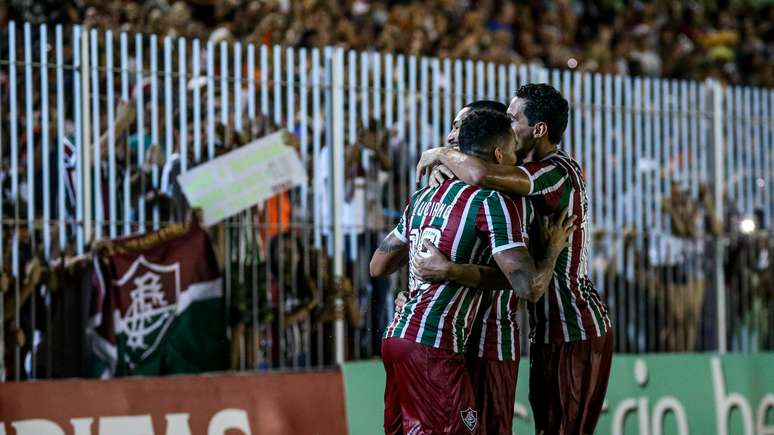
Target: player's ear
{"points": [[498, 153], [539, 130]]}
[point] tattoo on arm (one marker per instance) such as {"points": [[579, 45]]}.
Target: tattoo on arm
{"points": [[389, 245]]}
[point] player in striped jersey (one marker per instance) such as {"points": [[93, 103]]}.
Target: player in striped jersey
{"points": [[492, 351], [428, 389], [571, 333]]}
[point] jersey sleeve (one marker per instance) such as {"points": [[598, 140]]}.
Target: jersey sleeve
{"points": [[401, 231], [499, 219], [547, 180]]}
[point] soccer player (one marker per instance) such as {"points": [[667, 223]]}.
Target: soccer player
{"points": [[428, 388], [570, 331]]}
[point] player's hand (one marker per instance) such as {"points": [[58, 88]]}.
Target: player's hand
{"points": [[429, 159], [400, 301], [556, 235], [431, 267], [439, 174]]}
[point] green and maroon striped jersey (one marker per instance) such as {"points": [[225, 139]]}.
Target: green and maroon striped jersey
{"points": [[495, 332], [571, 309], [468, 224]]}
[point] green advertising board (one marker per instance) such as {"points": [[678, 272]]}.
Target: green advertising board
{"points": [[648, 394]]}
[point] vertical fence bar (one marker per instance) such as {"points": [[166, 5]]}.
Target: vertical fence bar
{"points": [[277, 66], [457, 88], [224, 75], [635, 171], [423, 104], [684, 150], [738, 144], [303, 91], [78, 190], [238, 86], [523, 75], [211, 100], [376, 61], [692, 106], [352, 95], [44, 146], [364, 69], [168, 109], [512, 83], [140, 117], [196, 70], [468, 82], [502, 92], [599, 141], [412, 117], [402, 122], [480, 78], [490, 81], [28, 103], [577, 106], [154, 121], [759, 183], [60, 119], [447, 97], [749, 177], [587, 137], [719, 152], [316, 146], [730, 119], [290, 110], [30, 146], [388, 91], [704, 146], [768, 170], [657, 116], [264, 53], [12, 102], [338, 193], [95, 95], [649, 152], [251, 84], [124, 42], [182, 59], [436, 108]]}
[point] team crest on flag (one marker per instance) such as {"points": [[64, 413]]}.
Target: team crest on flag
{"points": [[470, 418], [155, 293]]}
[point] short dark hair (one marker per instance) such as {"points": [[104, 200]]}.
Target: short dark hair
{"points": [[495, 106], [482, 131], [545, 104]]}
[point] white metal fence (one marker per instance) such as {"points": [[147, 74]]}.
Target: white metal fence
{"points": [[75, 170]]}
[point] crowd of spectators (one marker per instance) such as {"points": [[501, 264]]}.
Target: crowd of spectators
{"points": [[729, 39]]}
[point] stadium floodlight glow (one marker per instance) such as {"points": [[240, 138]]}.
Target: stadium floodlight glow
{"points": [[747, 226]]}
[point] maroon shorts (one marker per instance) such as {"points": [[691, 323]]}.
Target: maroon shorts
{"points": [[428, 390], [495, 385], [567, 384]]}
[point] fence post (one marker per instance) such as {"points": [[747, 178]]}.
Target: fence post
{"points": [[338, 194], [718, 144]]}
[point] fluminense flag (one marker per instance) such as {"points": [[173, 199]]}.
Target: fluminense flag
{"points": [[158, 305]]}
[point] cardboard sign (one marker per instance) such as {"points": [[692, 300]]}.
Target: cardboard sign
{"points": [[242, 178]]}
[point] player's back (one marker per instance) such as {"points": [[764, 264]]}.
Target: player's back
{"points": [[459, 220]]}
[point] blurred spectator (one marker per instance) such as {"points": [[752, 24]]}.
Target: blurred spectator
{"points": [[674, 39]]}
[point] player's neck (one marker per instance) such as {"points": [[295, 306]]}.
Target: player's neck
{"points": [[543, 149]]}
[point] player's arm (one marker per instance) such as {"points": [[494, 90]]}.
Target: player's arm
{"points": [[474, 171], [529, 278], [435, 267], [391, 255]]}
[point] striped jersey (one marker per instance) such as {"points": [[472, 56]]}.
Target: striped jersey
{"points": [[495, 332], [571, 309], [468, 224]]}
